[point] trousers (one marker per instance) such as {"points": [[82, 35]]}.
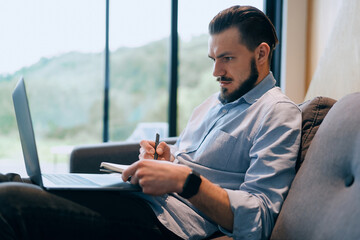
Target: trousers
{"points": [[29, 212]]}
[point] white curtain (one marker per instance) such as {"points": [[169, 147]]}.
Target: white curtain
{"points": [[338, 71]]}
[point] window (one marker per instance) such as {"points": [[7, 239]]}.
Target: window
{"points": [[57, 46], [139, 45]]}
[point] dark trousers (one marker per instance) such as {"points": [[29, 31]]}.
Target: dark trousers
{"points": [[29, 212]]}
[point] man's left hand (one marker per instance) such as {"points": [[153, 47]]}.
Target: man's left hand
{"points": [[157, 177]]}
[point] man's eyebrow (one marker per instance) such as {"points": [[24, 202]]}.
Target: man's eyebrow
{"points": [[221, 55]]}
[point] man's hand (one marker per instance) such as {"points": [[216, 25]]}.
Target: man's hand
{"points": [[147, 150], [161, 177], [157, 177]]}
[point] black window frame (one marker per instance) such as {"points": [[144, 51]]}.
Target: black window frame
{"points": [[274, 10]]}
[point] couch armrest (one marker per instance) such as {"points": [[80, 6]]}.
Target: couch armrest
{"points": [[87, 158]]}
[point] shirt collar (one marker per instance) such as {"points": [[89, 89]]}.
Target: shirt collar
{"points": [[265, 85]]}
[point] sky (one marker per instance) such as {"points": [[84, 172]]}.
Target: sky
{"points": [[32, 29]]}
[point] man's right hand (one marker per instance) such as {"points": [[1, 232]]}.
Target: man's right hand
{"points": [[147, 150]]}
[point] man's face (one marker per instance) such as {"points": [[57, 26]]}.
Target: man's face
{"points": [[234, 65]]}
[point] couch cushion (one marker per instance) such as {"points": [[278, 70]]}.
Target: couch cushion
{"points": [[324, 199], [313, 113], [87, 158]]}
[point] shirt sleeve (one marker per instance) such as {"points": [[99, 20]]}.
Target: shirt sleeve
{"points": [[173, 151], [257, 202]]}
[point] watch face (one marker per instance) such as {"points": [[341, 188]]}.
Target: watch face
{"points": [[192, 185]]}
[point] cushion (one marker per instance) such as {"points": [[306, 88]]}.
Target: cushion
{"points": [[323, 201], [313, 113], [87, 158]]}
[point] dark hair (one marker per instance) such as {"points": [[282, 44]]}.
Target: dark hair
{"points": [[254, 26]]}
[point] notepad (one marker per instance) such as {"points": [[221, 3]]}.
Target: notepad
{"points": [[112, 167]]}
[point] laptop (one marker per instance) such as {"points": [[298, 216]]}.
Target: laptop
{"points": [[54, 181]]}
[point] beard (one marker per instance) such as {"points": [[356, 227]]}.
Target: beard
{"points": [[245, 87]]}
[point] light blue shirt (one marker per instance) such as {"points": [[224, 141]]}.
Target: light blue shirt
{"points": [[249, 148]]}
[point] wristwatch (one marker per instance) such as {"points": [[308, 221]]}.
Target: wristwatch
{"points": [[192, 185]]}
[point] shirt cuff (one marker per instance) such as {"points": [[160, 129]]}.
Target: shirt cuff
{"points": [[247, 216]]}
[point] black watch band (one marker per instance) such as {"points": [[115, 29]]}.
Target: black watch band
{"points": [[192, 185]]}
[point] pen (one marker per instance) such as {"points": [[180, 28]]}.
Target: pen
{"points": [[156, 144]]}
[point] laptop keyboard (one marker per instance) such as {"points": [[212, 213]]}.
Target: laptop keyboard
{"points": [[68, 179]]}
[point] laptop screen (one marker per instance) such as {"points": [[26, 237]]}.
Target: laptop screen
{"points": [[26, 131]]}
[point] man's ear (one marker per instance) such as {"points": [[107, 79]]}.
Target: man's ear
{"points": [[262, 53]]}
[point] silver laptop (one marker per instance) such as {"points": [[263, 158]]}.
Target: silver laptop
{"points": [[66, 181]]}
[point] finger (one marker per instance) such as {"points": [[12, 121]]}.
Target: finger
{"points": [[163, 151], [147, 146], [134, 180], [130, 171], [144, 155], [142, 150], [160, 148]]}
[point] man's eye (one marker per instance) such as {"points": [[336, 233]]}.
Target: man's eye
{"points": [[227, 59]]}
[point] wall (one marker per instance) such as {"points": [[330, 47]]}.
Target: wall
{"points": [[293, 70]]}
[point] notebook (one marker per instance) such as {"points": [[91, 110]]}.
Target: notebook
{"points": [[66, 181]]}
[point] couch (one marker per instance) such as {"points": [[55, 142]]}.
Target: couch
{"points": [[324, 199]]}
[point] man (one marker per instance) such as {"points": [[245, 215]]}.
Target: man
{"points": [[233, 164], [244, 141]]}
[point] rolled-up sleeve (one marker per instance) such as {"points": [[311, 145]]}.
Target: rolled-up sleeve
{"points": [[257, 202]]}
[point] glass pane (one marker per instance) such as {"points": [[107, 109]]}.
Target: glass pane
{"points": [[196, 82], [58, 47], [139, 44]]}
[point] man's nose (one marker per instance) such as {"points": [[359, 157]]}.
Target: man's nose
{"points": [[218, 70]]}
